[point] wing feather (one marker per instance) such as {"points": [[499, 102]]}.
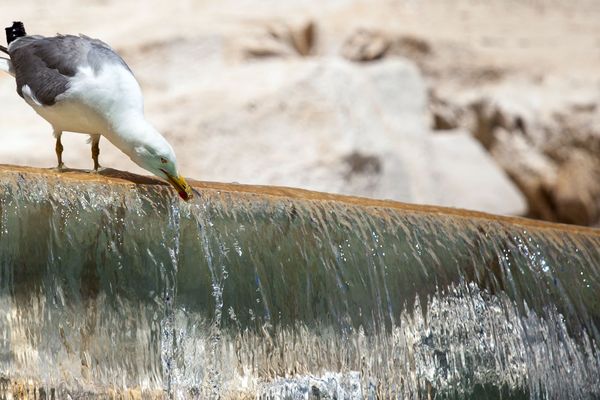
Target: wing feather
{"points": [[46, 64]]}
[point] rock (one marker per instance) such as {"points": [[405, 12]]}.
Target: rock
{"points": [[544, 134], [276, 39], [577, 192], [487, 118], [401, 93], [305, 37], [411, 47], [265, 46], [531, 170], [335, 126], [323, 125], [467, 176], [365, 45], [445, 115]]}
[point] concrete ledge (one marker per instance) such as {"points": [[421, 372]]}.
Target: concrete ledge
{"points": [[117, 177]]}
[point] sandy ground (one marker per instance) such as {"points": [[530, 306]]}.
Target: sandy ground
{"points": [[176, 46]]}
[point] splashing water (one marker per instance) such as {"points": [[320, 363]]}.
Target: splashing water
{"points": [[109, 290]]}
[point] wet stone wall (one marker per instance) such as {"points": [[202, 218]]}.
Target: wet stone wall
{"points": [[110, 286]]}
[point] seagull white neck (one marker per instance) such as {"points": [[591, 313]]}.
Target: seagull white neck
{"points": [[124, 115], [130, 130]]}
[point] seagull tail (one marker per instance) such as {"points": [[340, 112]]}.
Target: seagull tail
{"points": [[6, 66], [3, 49], [15, 31]]}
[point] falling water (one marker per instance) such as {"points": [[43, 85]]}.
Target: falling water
{"points": [[111, 289]]}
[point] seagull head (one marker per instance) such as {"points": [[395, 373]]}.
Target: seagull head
{"points": [[155, 154]]}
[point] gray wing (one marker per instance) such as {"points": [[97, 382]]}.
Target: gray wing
{"points": [[47, 64]]}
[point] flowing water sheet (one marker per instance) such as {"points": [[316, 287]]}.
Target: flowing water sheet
{"points": [[114, 289]]}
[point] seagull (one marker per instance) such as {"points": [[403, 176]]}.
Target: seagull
{"points": [[79, 84]]}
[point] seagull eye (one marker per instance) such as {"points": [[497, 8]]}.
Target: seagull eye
{"points": [[163, 160]]}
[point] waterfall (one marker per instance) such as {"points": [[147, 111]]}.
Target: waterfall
{"points": [[109, 288]]}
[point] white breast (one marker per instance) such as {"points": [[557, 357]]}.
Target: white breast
{"points": [[94, 102]]}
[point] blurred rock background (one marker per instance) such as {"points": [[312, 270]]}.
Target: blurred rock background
{"points": [[487, 105]]}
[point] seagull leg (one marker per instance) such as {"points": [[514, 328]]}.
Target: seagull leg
{"points": [[59, 149], [95, 150]]}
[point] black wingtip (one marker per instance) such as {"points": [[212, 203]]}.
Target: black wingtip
{"points": [[15, 31]]}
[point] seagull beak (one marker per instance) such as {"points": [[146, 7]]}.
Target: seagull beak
{"points": [[184, 190]]}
